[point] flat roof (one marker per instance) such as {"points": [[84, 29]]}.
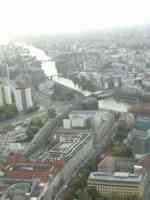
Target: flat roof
{"points": [[115, 177], [84, 112], [70, 143], [112, 104], [63, 147]]}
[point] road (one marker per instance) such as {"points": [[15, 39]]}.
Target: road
{"points": [[63, 188], [60, 192]]}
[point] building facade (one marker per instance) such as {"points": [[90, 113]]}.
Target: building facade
{"points": [[141, 143], [23, 98], [119, 184], [5, 94]]}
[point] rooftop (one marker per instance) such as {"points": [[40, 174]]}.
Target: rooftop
{"points": [[68, 144], [112, 104], [110, 162], [116, 176], [83, 112]]}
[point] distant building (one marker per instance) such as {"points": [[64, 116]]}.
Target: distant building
{"points": [[130, 94], [82, 118], [119, 184], [23, 98]]}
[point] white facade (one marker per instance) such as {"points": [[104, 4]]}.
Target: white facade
{"points": [[116, 83], [23, 98], [106, 85], [28, 97], [78, 122], [18, 99], [5, 95], [66, 123], [113, 105], [7, 92], [1, 97]]}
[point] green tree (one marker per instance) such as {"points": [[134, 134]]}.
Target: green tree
{"points": [[93, 193], [76, 184], [122, 151], [8, 111], [51, 113], [34, 126]]}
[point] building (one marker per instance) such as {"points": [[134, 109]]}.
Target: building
{"points": [[28, 170], [23, 98], [130, 94], [66, 123], [112, 164], [5, 93], [145, 163], [142, 109], [142, 122], [72, 150], [82, 118], [120, 184], [68, 145], [141, 141], [109, 82], [111, 104]]}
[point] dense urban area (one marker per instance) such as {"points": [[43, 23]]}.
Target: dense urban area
{"points": [[75, 116]]}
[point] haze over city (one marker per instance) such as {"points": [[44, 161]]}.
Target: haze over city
{"points": [[68, 16], [74, 100]]}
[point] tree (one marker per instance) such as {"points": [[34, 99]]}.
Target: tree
{"points": [[51, 113], [121, 151], [93, 193], [8, 111], [34, 126], [76, 184], [91, 165], [120, 135]]}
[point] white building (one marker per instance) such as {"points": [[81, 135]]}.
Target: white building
{"points": [[23, 98], [5, 94], [67, 123]]}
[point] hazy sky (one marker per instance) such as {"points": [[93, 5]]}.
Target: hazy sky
{"points": [[59, 16]]}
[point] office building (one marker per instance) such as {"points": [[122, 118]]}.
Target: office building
{"points": [[119, 184]]}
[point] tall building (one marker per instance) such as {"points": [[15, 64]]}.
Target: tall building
{"points": [[5, 93], [118, 184], [23, 98]]}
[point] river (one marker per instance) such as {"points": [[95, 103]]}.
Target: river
{"points": [[50, 70]]}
